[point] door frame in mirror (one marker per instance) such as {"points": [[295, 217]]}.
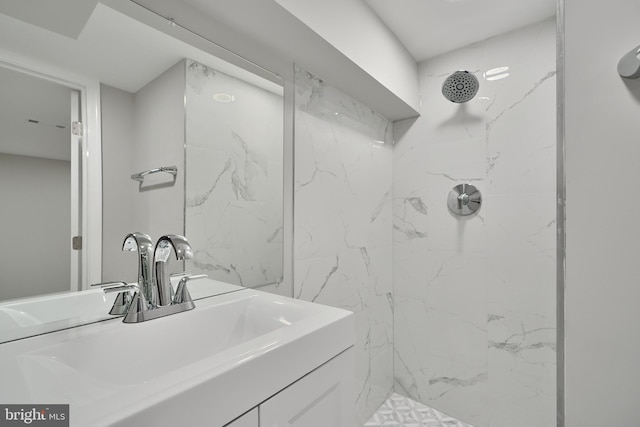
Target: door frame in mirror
{"points": [[90, 194]]}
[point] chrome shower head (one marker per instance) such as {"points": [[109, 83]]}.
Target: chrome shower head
{"points": [[460, 86]]}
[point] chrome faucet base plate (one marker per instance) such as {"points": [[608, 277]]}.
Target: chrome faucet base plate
{"points": [[156, 312]]}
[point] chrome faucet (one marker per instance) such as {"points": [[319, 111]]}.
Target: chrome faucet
{"points": [[142, 243], [160, 257], [154, 296]]}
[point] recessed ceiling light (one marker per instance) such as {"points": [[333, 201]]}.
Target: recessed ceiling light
{"points": [[496, 73], [224, 97]]}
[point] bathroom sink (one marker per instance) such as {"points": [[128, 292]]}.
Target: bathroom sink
{"points": [[37, 315], [205, 336], [214, 362], [42, 314]]}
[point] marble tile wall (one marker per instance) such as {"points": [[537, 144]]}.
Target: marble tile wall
{"points": [[234, 181], [343, 223], [474, 332]]}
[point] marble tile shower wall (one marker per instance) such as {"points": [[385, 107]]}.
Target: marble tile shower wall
{"points": [[475, 297], [233, 210], [343, 223]]}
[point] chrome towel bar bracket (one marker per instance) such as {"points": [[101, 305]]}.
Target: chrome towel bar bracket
{"points": [[172, 170]]}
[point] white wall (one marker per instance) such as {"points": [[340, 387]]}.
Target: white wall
{"points": [[234, 203], [474, 317], [602, 296], [158, 206], [118, 190], [274, 37], [141, 131], [353, 28], [36, 230]]}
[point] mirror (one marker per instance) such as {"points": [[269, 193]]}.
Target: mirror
{"points": [[35, 177], [163, 102]]}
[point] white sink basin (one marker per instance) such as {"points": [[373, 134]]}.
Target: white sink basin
{"points": [[212, 363], [37, 315]]}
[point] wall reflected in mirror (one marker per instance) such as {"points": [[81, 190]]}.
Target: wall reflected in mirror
{"points": [[234, 191], [163, 102], [227, 194], [35, 177]]}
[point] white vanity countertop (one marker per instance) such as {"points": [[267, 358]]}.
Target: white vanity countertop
{"points": [[38, 315], [205, 366], [27, 317]]}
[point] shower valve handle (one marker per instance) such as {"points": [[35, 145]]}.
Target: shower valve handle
{"points": [[463, 200]]}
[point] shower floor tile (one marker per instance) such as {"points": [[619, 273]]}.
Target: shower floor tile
{"points": [[403, 412]]}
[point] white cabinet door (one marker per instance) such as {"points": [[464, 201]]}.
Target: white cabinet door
{"points": [[323, 398], [250, 419]]}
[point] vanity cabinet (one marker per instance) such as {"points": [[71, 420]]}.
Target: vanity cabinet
{"points": [[322, 398], [242, 359]]}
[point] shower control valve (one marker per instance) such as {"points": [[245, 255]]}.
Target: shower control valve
{"points": [[464, 199]]}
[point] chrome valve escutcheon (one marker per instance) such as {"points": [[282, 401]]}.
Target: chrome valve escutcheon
{"points": [[464, 199]]}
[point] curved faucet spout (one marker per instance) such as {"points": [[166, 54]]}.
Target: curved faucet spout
{"points": [[161, 254], [142, 243], [180, 245]]}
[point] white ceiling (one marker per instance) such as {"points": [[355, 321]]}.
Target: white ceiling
{"points": [[112, 48], [103, 45], [23, 98], [121, 52], [429, 28], [66, 17]]}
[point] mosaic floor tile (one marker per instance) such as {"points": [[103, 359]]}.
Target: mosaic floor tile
{"points": [[403, 412]]}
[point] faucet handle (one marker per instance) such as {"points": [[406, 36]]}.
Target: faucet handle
{"points": [[124, 297], [109, 284], [189, 274], [182, 293], [116, 286]]}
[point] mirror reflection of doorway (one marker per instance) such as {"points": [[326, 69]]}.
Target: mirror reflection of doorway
{"points": [[36, 170]]}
